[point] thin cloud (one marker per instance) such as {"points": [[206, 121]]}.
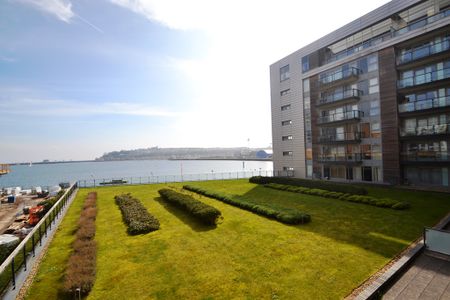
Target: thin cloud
{"points": [[52, 107], [7, 59], [62, 9]]}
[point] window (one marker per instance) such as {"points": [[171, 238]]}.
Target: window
{"points": [[375, 130], [287, 153], [285, 92], [305, 85], [285, 107], [372, 63], [305, 64], [287, 122], [286, 137], [366, 152], [374, 108], [284, 73], [288, 169], [373, 86]]}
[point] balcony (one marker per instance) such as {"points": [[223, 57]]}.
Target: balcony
{"points": [[351, 94], [340, 138], [339, 77], [420, 131], [348, 158], [386, 36], [426, 156], [354, 115], [424, 51], [424, 104], [423, 78]]}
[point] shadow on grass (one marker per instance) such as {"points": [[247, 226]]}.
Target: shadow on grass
{"points": [[379, 230], [185, 217]]}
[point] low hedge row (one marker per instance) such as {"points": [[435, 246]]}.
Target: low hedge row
{"points": [[384, 202], [286, 216], [80, 271], [203, 212], [309, 183], [135, 215]]}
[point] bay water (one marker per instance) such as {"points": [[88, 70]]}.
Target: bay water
{"points": [[27, 176]]}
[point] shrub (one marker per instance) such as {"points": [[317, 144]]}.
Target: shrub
{"points": [[80, 271], [309, 183], [288, 216], [384, 202], [135, 215], [203, 212]]}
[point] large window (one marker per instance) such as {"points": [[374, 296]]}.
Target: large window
{"points": [[375, 130], [284, 73]]}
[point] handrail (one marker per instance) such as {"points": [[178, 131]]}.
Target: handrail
{"points": [[424, 104], [19, 247], [424, 51], [352, 157], [349, 115], [340, 137], [338, 75], [424, 78], [426, 156], [337, 96], [425, 130]]}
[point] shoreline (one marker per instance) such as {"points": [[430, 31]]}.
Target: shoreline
{"points": [[171, 159]]}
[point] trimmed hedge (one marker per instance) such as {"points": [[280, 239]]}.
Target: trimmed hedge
{"points": [[287, 216], [384, 202], [135, 215], [309, 183], [207, 214], [80, 271]]}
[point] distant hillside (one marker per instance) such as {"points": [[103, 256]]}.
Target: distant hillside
{"points": [[183, 153]]}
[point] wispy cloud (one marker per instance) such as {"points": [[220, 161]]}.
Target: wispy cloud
{"points": [[7, 59], [62, 9], [54, 107]]}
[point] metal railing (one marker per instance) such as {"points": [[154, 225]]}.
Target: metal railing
{"points": [[424, 104], [340, 137], [18, 258], [349, 115], [337, 96], [339, 75], [387, 36], [426, 156], [83, 183], [425, 130], [424, 51], [424, 78], [349, 157]]}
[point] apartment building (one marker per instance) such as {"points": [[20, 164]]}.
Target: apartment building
{"points": [[370, 101]]}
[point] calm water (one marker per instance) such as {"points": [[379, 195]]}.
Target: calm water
{"points": [[52, 174]]}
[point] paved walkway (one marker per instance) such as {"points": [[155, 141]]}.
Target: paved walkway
{"points": [[427, 278]]}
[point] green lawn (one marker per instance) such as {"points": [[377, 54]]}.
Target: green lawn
{"points": [[246, 256]]}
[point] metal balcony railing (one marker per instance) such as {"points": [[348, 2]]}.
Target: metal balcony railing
{"points": [[426, 156], [424, 51], [338, 96], [424, 104], [340, 137], [425, 130], [341, 158], [349, 115], [339, 75], [424, 78]]}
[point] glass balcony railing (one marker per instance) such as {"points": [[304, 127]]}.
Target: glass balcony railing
{"points": [[424, 78], [426, 156], [387, 36], [342, 95], [340, 137], [340, 75], [425, 130], [341, 158], [349, 115], [424, 51], [424, 104]]}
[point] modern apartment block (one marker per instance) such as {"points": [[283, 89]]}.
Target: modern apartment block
{"points": [[370, 101]]}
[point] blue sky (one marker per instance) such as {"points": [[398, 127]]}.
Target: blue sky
{"points": [[80, 78]]}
